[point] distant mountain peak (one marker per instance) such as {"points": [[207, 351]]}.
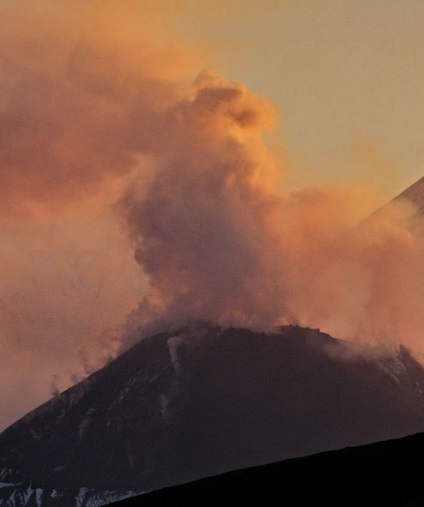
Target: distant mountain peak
{"points": [[414, 194]]}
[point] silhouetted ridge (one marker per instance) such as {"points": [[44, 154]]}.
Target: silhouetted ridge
{"points": [[383, 474]]}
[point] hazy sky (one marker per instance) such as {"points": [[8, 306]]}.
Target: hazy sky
{"points": [[347, 75]]}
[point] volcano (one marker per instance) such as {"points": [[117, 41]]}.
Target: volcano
{"points": [[202, 401]]}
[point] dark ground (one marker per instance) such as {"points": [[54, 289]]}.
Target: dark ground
{"points": [[383, 474]]}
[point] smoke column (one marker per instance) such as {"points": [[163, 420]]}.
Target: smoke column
{"points": [[132, 183]]}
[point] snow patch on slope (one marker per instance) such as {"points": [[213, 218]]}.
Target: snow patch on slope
{"points": [[24, 495]]}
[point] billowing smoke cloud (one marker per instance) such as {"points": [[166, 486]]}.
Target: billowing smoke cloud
{"points": [[127, 183], [205, 221], [218, 242]]}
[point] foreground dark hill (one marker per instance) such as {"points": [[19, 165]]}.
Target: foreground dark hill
{"points": [[176, 408], [385, 474]]}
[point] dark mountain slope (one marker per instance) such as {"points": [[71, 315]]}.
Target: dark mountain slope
{"points": [[175, 408]]}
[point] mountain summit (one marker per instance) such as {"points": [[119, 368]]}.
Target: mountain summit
{"points": [[414, 194], [178, 407]]}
